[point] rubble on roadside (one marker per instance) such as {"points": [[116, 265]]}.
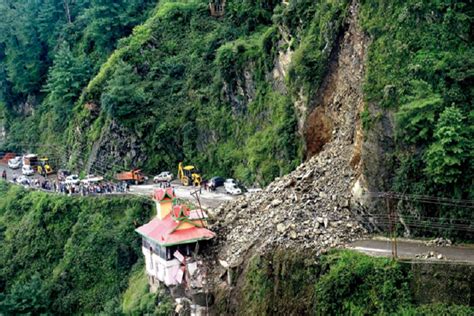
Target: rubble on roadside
{"points": [[307, 209], [439, 242], [310, 208], [433, 255]]}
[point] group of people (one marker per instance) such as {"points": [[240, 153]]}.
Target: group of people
{"points": [[164, 184], [79, 188], [90, 188]]}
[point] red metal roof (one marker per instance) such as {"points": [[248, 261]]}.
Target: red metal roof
{"points": [[161, 194], [180, 211], [164, 232]]}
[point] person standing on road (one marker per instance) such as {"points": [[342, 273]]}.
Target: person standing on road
{"points": [[4, 175]]}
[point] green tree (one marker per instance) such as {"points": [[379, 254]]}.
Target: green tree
{"points": [[123, 97], [446, 158], [24, 50], [109, 20], [25, 298], [67, 76], [416, 119], [51, 19]]}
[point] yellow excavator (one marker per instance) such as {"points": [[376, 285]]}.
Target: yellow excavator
{"points": [[189, 175], [44, 167]]}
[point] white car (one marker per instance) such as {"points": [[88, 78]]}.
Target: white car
{"points": [[230, 180], [163, 177], [232, 188], [72, 179], [14, 163], [23, 180], [26, 170]]}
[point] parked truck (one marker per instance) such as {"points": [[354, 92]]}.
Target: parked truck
{"points": [[30, 160], [134, 176]]}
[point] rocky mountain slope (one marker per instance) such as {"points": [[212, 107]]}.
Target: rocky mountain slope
{"points": [[310, 208], [346, 85]]}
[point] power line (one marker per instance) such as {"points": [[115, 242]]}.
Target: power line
{"points": [[424, 199]]}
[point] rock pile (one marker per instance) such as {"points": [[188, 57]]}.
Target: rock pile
{"points": [[431, 255], [309, 208], [439, 242]]}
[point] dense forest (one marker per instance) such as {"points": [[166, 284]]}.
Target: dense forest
{"points": [[64, 255]]}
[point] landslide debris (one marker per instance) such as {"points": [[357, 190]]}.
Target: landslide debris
{"points": [[309, 208]]}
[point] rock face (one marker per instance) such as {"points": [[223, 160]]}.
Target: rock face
{"points": [[116, 147], [339, 100], [311, 207]]}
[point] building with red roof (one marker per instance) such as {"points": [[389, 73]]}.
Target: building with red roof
{"points": [[171, 237]]}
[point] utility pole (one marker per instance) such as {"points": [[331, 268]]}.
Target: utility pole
{"points": [[392, 222]]}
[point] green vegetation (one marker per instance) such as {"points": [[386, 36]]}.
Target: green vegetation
{"points": [[66, 255], [353, 283], [137, 299], [282, 283], [185, 85], [194, 88], [420, 65], [48, 51], [339, 283], [310, 61]]}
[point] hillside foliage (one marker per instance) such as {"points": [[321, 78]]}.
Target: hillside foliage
{"points": [[64, 255], [420, 66], [341, 282], [78, 77]]}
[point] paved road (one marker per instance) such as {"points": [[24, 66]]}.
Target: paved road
{"points": [[17, 172], [208, 199], [409, 250]]}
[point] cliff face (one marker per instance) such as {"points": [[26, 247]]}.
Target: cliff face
{"points": [[310, 209]]}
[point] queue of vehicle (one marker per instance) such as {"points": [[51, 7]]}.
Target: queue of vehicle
{"points": [[187, 175]]}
